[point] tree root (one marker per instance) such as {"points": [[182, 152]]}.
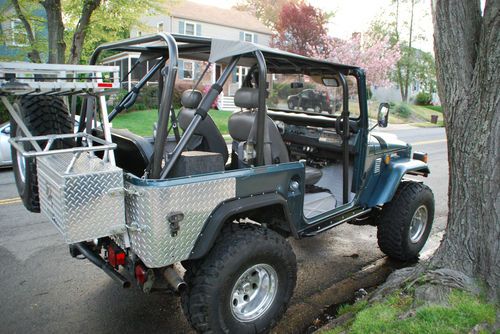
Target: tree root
{"points": [[429, 285]]}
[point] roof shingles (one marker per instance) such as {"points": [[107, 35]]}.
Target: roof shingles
{"points": [[226, 17]]}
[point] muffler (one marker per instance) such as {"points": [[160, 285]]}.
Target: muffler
{"points": [[174, 279]]}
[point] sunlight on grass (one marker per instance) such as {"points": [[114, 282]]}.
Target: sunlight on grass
{"points": [[141, 122]]}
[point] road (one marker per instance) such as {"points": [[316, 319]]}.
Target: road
{"points": [[44, 290]]}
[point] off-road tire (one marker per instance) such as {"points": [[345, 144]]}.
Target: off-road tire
{"points": [[42, 115], [206, 303], [393, 222], [291, 106]]}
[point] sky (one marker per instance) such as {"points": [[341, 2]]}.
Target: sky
{"points": [[356, 15]]}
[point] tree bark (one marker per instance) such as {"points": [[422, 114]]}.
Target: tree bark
{"points": [[467, 49], [34, 54], [81, 30], [55, 27]]}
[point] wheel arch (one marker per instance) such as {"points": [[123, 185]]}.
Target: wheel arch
{"points": [[382, 190], [271, 207]]}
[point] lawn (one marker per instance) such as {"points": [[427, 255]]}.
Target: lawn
{"points": [[397, 315], [141, 122]]}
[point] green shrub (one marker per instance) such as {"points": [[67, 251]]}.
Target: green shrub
{"points": [[403, 110], [4, 114], [423, 99]]}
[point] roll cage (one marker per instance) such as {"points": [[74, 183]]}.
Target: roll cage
{"points": [[168, 48]]}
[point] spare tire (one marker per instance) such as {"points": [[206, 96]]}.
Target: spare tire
{"points": [[42, 115]]}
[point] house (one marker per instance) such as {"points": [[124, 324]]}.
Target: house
{"points": [[191, 18], [14, 44]]}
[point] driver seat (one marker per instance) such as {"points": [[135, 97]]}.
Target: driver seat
{"points": [[242, 129]]}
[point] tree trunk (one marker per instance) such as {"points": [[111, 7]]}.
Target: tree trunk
{"points": [[81, 30], [467, 49], [34, 55], [57, 46]]}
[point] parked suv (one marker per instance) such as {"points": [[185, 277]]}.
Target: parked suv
{"points": [[312, 99]]}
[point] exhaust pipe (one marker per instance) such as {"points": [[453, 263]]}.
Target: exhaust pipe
{"points": [[173, 278], [99, 262]]}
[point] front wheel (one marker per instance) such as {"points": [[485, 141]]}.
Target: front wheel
{"points": [[406, 221], [243, 285], [291, 106]]}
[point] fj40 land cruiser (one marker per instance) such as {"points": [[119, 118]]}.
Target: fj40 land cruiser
{"points": [[137, 206]]}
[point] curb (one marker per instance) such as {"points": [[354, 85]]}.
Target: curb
{"points": [[299, 316]]}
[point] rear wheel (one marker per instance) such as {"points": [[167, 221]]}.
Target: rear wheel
{"points": [[405, 223], [243, 285], [42, 115]]}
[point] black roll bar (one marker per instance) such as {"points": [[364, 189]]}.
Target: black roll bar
{"points": [[201, 113], [129, 99], [169, 73], [261, 113], [345, 140]]}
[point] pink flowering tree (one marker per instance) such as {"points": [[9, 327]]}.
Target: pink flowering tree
{"points": [[375, 55]]}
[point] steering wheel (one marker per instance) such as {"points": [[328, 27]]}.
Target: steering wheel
{"points": [[339, 126]]}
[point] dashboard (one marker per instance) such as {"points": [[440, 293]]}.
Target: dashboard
{"points": [[313, 141]]}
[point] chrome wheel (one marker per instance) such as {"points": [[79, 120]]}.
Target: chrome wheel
{"points": [[21, 163], [254, 292], [418, 224]]}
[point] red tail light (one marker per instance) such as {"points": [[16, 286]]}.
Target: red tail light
{"points": [[104, 85], [116, 256], [141, 275]]}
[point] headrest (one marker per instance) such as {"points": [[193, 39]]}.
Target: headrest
{"points": [[191, 98], [247, 97]]}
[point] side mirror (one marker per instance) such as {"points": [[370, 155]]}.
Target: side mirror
{"points": [[297, 85], [6, 130], [383, 115]]}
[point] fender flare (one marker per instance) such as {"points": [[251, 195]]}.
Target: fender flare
{"points": [[383, 189], [225, 210]]}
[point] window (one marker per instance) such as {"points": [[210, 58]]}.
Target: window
{"points": [[244, 72], [19, 36], [248, 37], [189, 28], [159, 27], [188, 70]]}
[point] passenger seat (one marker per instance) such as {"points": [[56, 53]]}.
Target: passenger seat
{"points": [[242, 129]]}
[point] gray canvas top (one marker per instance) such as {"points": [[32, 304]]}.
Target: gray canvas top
{"points": [[222, 50]]}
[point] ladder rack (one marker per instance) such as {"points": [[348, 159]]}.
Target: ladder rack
{"points": [[22, 78]]}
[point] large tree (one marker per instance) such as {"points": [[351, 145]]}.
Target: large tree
{"points": [[301, 28], [79, 24], [467, 49], [267, 11]]}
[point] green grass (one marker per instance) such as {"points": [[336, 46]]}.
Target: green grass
{"points": [[435, 108], [141, 122], [463, 313]]}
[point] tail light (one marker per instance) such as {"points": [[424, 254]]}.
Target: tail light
{"points": [[116, 256], [141, 275]]}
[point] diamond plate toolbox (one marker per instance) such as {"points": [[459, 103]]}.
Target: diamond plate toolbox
{"points": [[85, 203], [148, 208]]}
